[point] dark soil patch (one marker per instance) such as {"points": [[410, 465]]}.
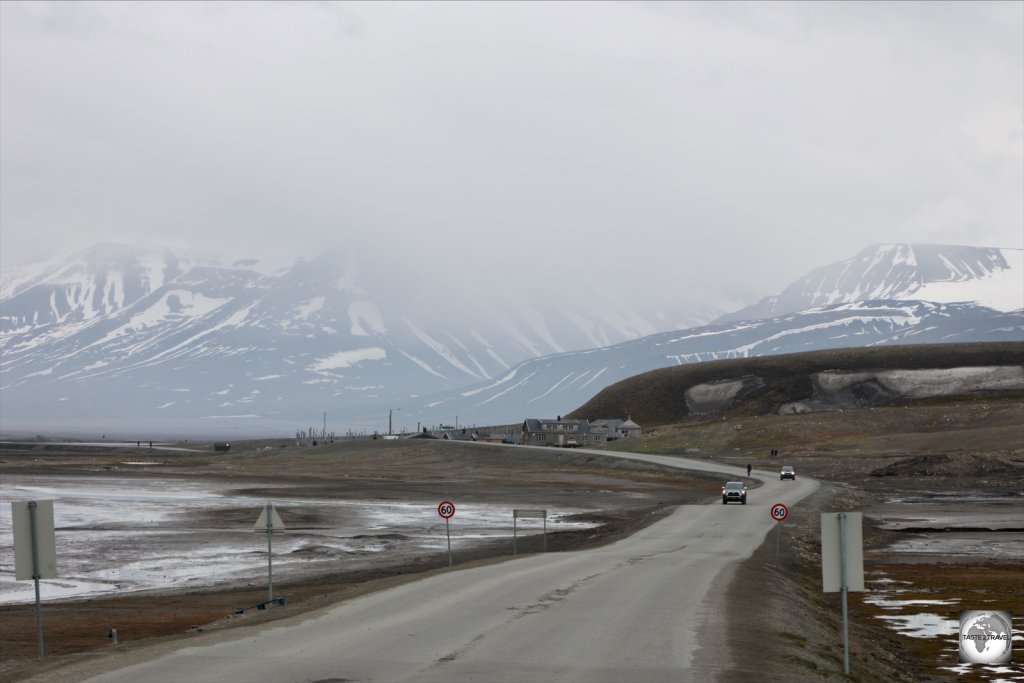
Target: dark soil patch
{"points": [[948, 465]]}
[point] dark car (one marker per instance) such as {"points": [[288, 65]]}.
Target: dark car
{"points": [[734, 492], [787, 473]]}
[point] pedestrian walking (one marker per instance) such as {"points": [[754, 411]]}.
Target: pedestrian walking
{"points": [[748, 469]]}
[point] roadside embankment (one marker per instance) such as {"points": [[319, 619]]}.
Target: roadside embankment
{"points": [[782, 627]]}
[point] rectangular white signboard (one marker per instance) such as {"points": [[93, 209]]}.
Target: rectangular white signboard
{"points": [[46, 541], [530, 513], [830, 567]]}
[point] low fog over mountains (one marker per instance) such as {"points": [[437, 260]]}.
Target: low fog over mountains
{"points": [[134, 342]]}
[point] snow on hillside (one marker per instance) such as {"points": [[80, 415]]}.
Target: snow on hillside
{"points": [[998, 288], [988, 277], [560, 383], [115, 335]]}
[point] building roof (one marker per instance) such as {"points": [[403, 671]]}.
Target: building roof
{"points": [[457, 436], [535, 424]]}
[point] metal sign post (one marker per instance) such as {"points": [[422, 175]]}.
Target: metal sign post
{"points": [[35, 550], [843, 588], [779, 513], [542, 514], [446, 509], [35, 575], [842, 540], [269, 522]]}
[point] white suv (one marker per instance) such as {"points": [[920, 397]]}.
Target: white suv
{"points": [[734, 492]]}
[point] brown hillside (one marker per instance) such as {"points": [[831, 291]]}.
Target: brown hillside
{"points": [[659, 397]]}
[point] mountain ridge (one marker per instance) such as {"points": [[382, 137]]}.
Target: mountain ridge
{"points": [[563, 382], [161, 338], [991, 277]]}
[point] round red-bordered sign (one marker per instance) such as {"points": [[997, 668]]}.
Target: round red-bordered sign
{"points": [[446, 509], [779, 512]]}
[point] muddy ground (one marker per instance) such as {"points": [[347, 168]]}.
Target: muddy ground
{"points": [[944, 455], [619, 497]]}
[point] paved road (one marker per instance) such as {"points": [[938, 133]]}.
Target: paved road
{"points": [[629, 611]]}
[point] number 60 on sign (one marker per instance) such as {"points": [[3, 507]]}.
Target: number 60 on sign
{"points": [[780, 512]]}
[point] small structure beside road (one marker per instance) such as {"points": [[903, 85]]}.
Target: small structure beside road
{"points": [[558, 432], [612, 429]]}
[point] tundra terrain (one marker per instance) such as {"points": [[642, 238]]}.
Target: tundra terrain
{"points": [[940, 482]]}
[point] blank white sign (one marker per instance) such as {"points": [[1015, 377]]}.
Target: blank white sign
{"points": [[46, 542], [830, 568]]}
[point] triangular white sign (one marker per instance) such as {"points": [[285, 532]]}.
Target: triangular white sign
{"points": [[275, 520]]}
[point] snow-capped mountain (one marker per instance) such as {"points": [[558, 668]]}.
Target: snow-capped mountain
{"points": [[117, 334], [561, 383], [130, 341], [988, 277], [68, 290]]}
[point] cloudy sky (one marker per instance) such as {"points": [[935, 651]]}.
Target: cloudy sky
{"points": [[659, 146]]}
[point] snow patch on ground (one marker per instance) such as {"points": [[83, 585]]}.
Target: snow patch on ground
{"points": [[346, 359], [120, 535], [929, 383], [1002, 290], [176, 302], [310, 307]]}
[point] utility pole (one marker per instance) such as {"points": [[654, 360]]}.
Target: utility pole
{"points": [[389, 419]]}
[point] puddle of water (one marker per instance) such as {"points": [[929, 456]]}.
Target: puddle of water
{"points": [[911, 612], [890, 582], [971, 544], [922, 625], [886, 603], [116, 534], [1005, 674], [926, 497], [914, 623]]}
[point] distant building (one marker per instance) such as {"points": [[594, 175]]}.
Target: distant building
{"points": [[629, 429], [567, 433], [609, 430], [421, 435], [457, 436], [605, 430], [491, 438]]}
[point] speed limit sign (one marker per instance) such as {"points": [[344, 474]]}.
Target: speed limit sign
{"points": [[446, 509], [780, 512]]}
